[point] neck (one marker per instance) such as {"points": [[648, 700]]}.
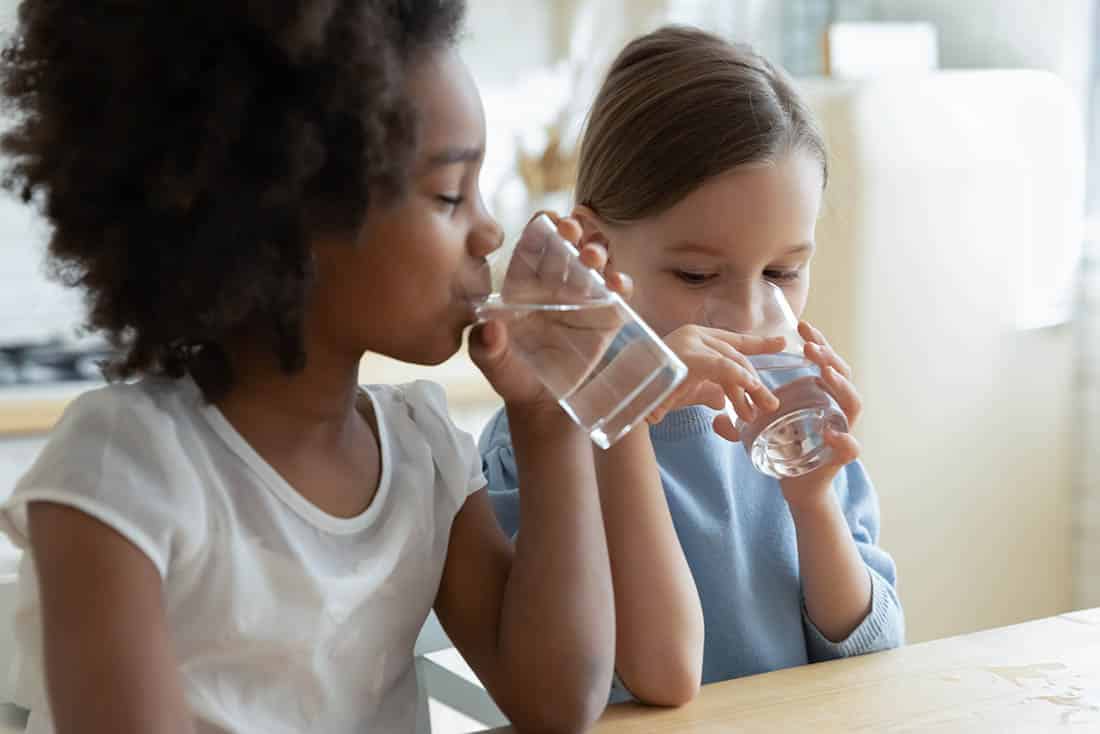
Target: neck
{"points": [[317, 402]]}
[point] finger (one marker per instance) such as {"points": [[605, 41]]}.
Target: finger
{"points": [[577, 283], [844, 445], [671, 402], [813, 335], [537, 260], [736, 381], [621, 283], [570, 229], [710, 395], [747, 343], [824, 356], [691, 392], [807, 331], [488, 342], [845, 394], [760, 394], [742, 406], [594, 256], [725, 428]]}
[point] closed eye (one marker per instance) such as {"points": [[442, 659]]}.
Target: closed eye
{"points": [[449, 200], [695, 278], [783, 276]]}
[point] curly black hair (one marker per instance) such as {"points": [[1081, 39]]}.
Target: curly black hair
{"points": [[186, 151]]}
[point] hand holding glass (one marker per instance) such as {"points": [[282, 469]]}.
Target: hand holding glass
{"points": [[606, 368], [789, 442]]}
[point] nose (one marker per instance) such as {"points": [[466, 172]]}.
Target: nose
{"points": [[487, 236], [739, 308]]}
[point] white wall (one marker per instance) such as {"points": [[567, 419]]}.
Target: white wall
{"points": [[31, 307], [941, 188], [1055, 35], [505, 38], [1059, 36]]}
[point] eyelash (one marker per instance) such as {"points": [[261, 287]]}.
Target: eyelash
{"points": [[783, 276], [700, 279], [694, 278], [451, 201]]}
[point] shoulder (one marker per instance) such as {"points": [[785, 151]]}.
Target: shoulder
{"points": [[133, 420], [418, 412], [119, 455], [421, 406]]}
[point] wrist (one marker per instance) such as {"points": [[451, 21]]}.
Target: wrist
{"points": [[811, 506], [626, 448], [544, 419]]}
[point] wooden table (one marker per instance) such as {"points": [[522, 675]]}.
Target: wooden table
{"points": [[1041, 676]]}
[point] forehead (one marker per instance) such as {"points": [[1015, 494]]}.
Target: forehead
{"points": [[447, 101], [761, 207]]}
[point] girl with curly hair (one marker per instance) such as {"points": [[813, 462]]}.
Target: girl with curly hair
{"points": [[236, 536]]}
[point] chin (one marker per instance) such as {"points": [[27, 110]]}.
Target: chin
{"points": [[435, 353]]}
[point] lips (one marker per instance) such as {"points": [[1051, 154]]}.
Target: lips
{"points": [[476, 284]]}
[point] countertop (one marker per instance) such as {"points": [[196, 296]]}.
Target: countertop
{"points": [[30, 410]]}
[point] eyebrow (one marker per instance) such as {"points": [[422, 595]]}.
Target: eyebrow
{"points": [[452, 156], [697, 248], [701, 249]]}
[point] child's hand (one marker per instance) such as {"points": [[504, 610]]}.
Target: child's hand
{"points": [[836, 378], [717, 368], [490, 346]]}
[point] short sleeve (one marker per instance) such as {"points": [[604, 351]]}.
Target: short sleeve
{"points": [[453, 450], [498, 461], [115, 455]]}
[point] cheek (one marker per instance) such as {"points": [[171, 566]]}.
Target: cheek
{"points": [[798, 295], [662, 307], [412, 262], [658, 299]]}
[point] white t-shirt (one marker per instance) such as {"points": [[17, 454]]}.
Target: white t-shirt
{"points": [[283, 618]]}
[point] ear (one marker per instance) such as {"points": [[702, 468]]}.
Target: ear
{"points": [[593, 229]]}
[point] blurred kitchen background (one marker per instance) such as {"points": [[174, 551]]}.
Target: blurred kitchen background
{"points": [[959, 268]]}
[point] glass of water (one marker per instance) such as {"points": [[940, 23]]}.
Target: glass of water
{"points": [[605, 366], [790, 441]]}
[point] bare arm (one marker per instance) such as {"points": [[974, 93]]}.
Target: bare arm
{"points": [[836, 585], [536, 624], [658, 619], [108, 658]]}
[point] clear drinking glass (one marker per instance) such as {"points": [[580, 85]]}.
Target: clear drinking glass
{"points": [[605, 366], [789, 442]]}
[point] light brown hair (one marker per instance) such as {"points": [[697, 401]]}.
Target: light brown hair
{"points": [[678, 107]]}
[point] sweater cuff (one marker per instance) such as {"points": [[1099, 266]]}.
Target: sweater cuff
{"points": [[872, 634]]}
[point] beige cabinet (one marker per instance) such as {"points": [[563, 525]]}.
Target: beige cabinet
{"points": [[950, 225]]}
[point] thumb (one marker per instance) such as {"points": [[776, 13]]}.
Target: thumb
{"points": [[845, 448], [488, 345], [725, 428]]}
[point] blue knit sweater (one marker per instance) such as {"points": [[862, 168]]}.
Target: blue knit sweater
{"points": [[739, 540]]}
